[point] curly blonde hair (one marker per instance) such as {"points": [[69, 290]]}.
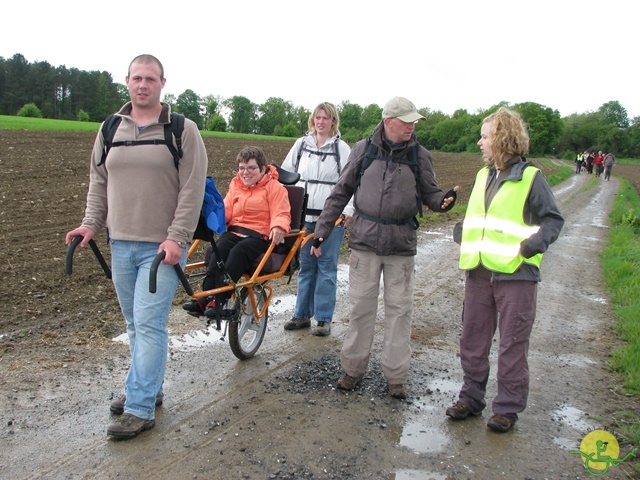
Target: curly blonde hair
{"points": [[509, 136]]}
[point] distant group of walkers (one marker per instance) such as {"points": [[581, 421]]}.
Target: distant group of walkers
{"points": [[603, 163]]}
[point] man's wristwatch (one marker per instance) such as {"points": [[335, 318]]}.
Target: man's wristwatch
{"points": [[180, 244]]}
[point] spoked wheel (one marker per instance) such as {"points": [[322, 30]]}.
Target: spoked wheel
{"points": [[246, 334]]}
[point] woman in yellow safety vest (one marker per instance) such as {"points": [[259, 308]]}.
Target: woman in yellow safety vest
{"points": [[511, 219]]}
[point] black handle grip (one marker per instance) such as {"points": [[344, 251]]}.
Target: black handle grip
{"points": [[153, 275], [68, 268]]}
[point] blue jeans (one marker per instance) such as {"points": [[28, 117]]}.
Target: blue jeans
{"points": [[146, 317], [317, 277]]}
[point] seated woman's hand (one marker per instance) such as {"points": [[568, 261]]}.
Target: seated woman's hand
{"points": [[277, 235]]}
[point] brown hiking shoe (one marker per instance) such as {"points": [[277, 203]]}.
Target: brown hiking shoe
{"points": [[347, 382], [459, 411], [500, 423], [117, 406], [397, 391], [128, 426], [297, 323]]}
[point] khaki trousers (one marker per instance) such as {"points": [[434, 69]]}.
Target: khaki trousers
{"points": [[397, 272]]}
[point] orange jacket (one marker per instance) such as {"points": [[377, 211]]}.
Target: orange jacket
{"points": [[260, 207]]}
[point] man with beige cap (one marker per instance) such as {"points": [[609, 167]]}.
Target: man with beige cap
{"points": [[390, 176]]}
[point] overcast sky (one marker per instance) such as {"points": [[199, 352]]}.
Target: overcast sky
{"points": [[569, 55]]}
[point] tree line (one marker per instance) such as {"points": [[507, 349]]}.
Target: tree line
{"points": [[40, 89]]}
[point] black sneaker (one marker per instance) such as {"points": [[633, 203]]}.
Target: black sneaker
{"points": [[297, 323], [129, 426], [117, 406], [210, 309], [195, 307]]}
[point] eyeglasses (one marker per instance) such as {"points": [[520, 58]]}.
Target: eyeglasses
{"points": [[250, 168]]}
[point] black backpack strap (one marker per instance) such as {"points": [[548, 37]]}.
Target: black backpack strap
{"points": [[414, 165], [371, 153], [109, 127], [300, 150], [335, 153], [174, 130]]}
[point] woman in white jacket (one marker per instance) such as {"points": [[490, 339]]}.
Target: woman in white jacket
{"points": [[319, 157]]}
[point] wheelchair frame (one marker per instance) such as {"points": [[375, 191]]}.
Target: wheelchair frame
{"points": [[251, 295]]}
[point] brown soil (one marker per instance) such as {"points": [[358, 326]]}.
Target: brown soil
{"points": [[277, 415]]}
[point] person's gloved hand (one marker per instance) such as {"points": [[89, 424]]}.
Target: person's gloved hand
{"points": [[450, 198], [526, 251]]}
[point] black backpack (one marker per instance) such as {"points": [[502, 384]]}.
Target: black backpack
{"points": [[335, 153], [372, 153], [171, 130]]}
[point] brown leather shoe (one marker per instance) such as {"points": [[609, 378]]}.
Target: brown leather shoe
{"points": [[459, 411], [500, 423], [347, 382], [117, 406], [129, 426], [397, 390]]}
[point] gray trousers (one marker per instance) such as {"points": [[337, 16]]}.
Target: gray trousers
{"points": [[397, 271], [509, 306]]}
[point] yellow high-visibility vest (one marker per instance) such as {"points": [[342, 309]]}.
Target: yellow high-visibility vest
{"points": [[492, 237]]}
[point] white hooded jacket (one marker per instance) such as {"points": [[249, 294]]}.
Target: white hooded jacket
{"points": [[318, 169]]}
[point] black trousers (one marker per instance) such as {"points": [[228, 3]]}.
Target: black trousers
{"points": [[238, 254]]}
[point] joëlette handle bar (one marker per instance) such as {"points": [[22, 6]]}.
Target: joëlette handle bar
{"points": [[153, 274], [96, 251]]}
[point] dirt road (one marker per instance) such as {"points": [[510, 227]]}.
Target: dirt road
{"points": [[278, 415]]}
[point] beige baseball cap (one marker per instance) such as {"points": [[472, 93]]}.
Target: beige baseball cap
{"points": [[401, 108]]}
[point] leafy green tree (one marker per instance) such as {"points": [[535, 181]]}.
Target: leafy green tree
{"points": [[103, 99], [431, 117], [16, 70], [289, 130], [211, 106], [351, 117], [30, 110], [424, 128], [274, 112], [300, 118], [371, 115], [632, 147], [459, 133], [83, 116], [41, 83], [169, 99], [188, 104], [122, 95], [242, 118], [545, 126], [446, 134], [217, 123], [352, 135], [615, 114]]}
